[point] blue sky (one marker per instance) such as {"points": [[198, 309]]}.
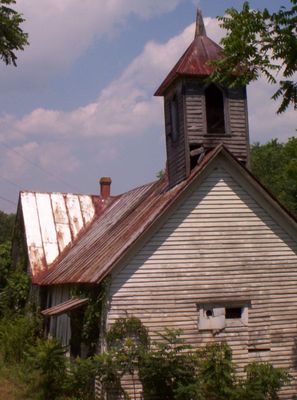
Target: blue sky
{"points": [[80, 103]]}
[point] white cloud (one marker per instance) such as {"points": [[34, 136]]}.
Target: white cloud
{"points": [[60, 31], [264, 123], [17, 160], [126, 106]]}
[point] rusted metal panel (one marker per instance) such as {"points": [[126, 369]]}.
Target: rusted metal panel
{"points": [[63, 236], [64, 307], [59, 208], [87, 208], [33, 234], [47, 227], [116, 230], [79, 264], [74, 213], [194, 62], [61, 220], [52, 222]]}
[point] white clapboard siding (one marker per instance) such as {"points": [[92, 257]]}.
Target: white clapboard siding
{"points": [[220, 245]]}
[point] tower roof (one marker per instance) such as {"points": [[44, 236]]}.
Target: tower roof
{"points": [[195, 60]]}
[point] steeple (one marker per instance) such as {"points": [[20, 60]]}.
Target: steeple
{"points": [[199, 114], [200, 28]]}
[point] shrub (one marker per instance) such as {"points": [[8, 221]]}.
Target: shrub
{"points": [[14, 297], [48, 358], [166, 366], [81, 378], [16, 335], [263, 382]]}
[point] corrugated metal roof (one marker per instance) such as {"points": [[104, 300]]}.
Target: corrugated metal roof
{"points": [[111, 235], [53, 222], [195, 60], [64, 307]]}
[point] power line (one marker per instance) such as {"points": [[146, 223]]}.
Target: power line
{"points": [[9, 181], [56, 177], [8, 201]]}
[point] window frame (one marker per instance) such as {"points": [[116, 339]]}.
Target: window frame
{"points": [[218, 320], [224, 111]]}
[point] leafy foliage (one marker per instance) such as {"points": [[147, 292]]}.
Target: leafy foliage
{"points": [[260, 43], [6, 226], [92, 315], [12, 37], [275, 165], [263, 382], [17, 333], [166, 366], [15, 294], [5, 261], [81, 378], [48, 357], [173, 370], [127, 328]]}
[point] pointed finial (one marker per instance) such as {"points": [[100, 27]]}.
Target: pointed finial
{"points": [[200, 28]]}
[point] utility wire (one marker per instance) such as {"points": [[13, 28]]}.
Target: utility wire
{"points": [[9, 201], [40, 167], [9, 181]]}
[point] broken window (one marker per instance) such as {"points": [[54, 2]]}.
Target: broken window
{"points": [[217, 316], [233, 312], [214, 103]]}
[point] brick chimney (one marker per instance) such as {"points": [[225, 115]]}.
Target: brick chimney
{"points": [[105, 183]]}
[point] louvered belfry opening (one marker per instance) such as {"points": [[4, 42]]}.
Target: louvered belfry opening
{"points": [[200, 115], [214, 106]]}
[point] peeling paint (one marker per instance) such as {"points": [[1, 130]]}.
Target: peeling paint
{"points": [[52, 222]]}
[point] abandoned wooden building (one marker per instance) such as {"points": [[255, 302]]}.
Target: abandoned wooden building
{"points": [[206, 248]]}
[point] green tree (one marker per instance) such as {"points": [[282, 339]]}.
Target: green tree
{"points": [[5, 262], [275, 165], [12, 37], [260, 43], [6, 226]]}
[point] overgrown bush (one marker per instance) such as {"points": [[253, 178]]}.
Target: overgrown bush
{"points": [[172, 370], [81, 379], [14, 297], [166, 366], [17, 333], [263, 382], [5, 262], [48, 358]]}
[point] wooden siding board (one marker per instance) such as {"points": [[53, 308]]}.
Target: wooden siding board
{"points": [[214, 250]]}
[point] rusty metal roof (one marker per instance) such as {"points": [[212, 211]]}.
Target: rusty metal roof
{"points": [[64, 307], [113, 234], [53, 222], [195, 60]]}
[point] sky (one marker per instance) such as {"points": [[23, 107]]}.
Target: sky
{"points": [[80, 103]]}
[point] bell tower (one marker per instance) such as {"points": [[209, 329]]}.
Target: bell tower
{"points": [[200, 114]]}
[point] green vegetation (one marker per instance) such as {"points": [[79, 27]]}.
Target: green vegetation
{"points": [[260, 43], [168, 368], [12, 37], [275, 165], [6, 226]]}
